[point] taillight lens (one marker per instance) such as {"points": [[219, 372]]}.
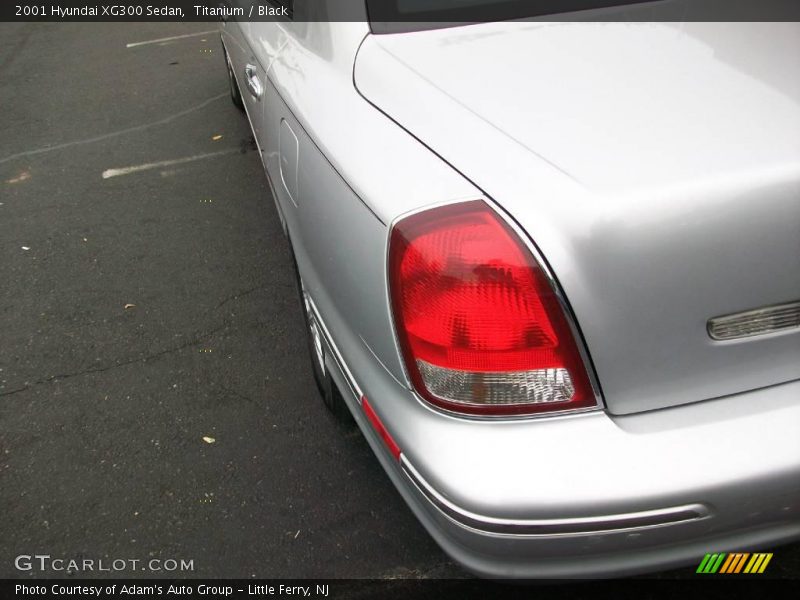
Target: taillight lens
{"points": [[479, 325]]}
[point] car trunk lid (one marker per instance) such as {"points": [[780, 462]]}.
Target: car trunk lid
{"points": [[656, 166]]}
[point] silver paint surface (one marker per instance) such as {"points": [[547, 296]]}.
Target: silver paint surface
{"points": [[656, 167]]}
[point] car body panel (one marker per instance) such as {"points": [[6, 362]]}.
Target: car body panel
{"points": [[590, 466], [655, 165], [594, 466], [736, 458], [364, 162]]}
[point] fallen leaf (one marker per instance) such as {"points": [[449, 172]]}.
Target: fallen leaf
{"points": [[216, 137], [24, 176], [208, 440], [127, 306]]}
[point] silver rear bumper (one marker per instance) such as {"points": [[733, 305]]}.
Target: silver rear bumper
{"points": [[592, 494]]}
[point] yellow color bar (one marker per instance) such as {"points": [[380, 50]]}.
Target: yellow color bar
{"points": [[755, 562], [758, 563], [765, 563]]}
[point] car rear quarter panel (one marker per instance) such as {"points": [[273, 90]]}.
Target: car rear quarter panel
{"points": [[357, 171]]}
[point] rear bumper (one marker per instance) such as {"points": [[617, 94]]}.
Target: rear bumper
{"points": [[653, 492], [593, 494], [608, 545]]}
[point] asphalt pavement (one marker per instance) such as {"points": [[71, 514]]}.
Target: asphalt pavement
{"points": [[147, 313], [156, 397]]}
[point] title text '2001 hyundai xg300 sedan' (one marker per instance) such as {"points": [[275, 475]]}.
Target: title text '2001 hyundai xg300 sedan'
{"points": [[553, 271]]}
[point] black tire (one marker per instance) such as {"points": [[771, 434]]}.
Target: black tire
{"points": [[331, 396], [236, 95]]}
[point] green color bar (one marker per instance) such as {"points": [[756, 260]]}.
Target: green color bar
{"points": [[718, 563], [701, 568]]}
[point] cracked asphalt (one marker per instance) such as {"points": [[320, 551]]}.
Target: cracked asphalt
{"points": [[144, 312]]}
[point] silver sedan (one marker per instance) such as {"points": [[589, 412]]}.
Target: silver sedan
{"points": [[552, 270]]}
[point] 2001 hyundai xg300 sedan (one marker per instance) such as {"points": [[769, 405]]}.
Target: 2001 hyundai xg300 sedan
{"points": [[553, 271]]}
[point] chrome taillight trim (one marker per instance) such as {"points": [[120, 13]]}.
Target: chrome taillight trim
{"points": [[759, 321]]}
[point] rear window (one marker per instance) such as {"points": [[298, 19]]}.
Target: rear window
{"points": [[393, 16]]}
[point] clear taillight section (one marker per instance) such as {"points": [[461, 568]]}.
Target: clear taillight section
{"points": [[479, 325]]}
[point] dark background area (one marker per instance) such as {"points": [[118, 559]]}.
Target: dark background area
{"points": [[143, 312]]}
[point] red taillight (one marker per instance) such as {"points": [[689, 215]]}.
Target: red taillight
{"points": [[479, 325]]}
